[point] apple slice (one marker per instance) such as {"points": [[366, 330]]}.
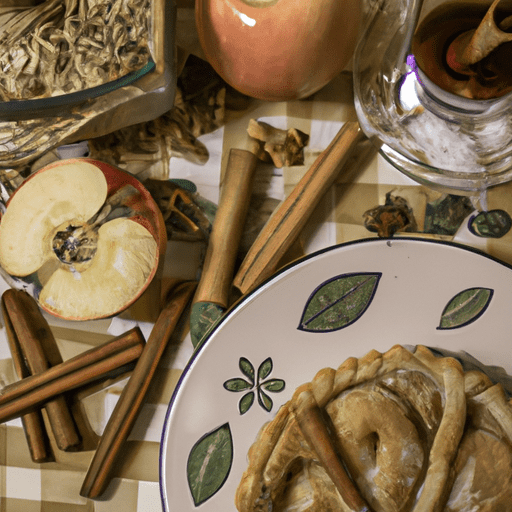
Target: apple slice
{"points": [[73, 192], [85, 236], [125, 256]]}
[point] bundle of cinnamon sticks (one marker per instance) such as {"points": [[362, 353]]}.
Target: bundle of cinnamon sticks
{"points": [[45, 380]]}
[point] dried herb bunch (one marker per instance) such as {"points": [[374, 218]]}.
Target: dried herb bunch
{"points": [[64, 46], [202, 103]]}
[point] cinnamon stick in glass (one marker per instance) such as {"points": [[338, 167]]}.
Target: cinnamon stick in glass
{"points": [[132, 397], [33, 422], [92, 365], [33, 332]]}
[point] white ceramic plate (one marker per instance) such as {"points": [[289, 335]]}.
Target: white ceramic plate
{"points": [[338, 303]]}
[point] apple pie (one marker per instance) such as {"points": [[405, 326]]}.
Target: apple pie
{"points": [[395, 432]]}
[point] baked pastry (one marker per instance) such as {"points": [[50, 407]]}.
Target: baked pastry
{"points": [[392, 432]]}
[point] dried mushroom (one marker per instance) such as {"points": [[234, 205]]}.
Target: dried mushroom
{"points": [[182, 213], [394, 216], [21, 142], [145, 149], [68, 232], [285, 147], [201, 103], [59, 47]]}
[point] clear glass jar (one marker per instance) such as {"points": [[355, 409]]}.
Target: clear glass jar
{"points": [[431, 133]]}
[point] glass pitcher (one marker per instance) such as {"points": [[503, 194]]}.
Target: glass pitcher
{"points": [[420, 109]]}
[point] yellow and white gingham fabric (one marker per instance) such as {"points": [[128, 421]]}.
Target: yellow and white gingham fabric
{"points": [[54, 487]]}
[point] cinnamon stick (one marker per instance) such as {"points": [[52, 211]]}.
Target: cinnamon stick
{"points": [[33, 422], [33, 332], [130, 402], [287, 221], [316, 433], [215, 283], [213, 291], [34, 391]]}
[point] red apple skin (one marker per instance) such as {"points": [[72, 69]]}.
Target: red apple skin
{"points": [[281, 50]]}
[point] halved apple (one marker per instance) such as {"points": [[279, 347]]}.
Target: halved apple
{"points": [[86, 235]]}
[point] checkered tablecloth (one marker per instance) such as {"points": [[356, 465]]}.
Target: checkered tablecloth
{"points": [[54, 487]]}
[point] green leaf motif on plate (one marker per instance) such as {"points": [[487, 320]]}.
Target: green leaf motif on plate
{"points": [[265, 369], [209, 464], [273, 385], [465, 307], [255, 387], [490, 224], [246, 402], [237, 385], [339, 302], [265, 401], [247, 369], [204, 317]]}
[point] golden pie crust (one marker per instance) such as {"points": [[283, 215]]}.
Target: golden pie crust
{"points": [[410, 432]]}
